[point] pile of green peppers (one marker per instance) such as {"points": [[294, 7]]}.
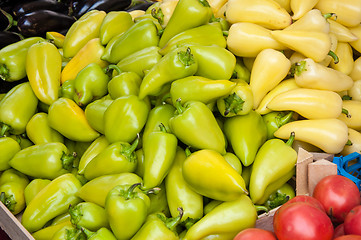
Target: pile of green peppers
{"points": [[137, 131]]}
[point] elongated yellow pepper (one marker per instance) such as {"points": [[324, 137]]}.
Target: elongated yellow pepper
{"points": [[345, 63], [355, 91], [301, 7], [342, 33], [312, 20], [353, 118], [354, 144]]}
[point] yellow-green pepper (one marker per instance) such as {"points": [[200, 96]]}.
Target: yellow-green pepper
{"points": [[8, 148]]}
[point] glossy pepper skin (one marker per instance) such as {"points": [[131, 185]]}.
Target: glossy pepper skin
{"points": [[94, 113], [91, 83], [118, 157], [178, 63], [269, 172], [159, 151], [33, 188], [312, 20], [125, 118], [158, 226], [225, 220], [280, 196], [89, 53], [88, 215], [195, 125], [124, 84], [74, 126], [206, 34], [238, 102], [140, 61], [51, 201], [141, 35], [13, 59], [179, 193], [39, 131], [300, 8], [352, 118], [96, 190], [17, 108], [8, 147], [199, 175], [246, 134], [274, 120], [127, 210], [43, 69], [110, 27], [197, 88], [187, 14], [85, 28], [54, 158]]}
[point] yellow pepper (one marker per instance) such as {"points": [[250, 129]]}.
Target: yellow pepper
{"points": [[345, 55], [354, 144], [254, 39], [310, 74], [357, 43], [312, 20], [266, 13], [348, 11], [283, 86], [330, 135], [56, 38], [269, 69], [216, 5], [301, 7], [342, 33], [310, 103], [90, 53], [356, 70], [353, 118], [286, 4], [315, 45], [355, 91]]}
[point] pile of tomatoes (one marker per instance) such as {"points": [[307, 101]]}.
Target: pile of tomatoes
{"points": [[332, 212]]}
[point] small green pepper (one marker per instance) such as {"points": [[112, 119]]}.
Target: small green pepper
{"points": [[280, 196], [274, 120], [12, 196], [8, 148], [12, 175], [33, 188], [124, 84], [94, 113], [101, 234], [88, 215], [67, 89], [110, 27], [69, 232], [48, 232]]}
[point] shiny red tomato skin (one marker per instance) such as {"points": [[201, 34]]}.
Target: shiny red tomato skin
{"points": [[338, 195], [302, 221], [348, 237], [352, 223], [307, 199], [339, 231], [255, 234]]}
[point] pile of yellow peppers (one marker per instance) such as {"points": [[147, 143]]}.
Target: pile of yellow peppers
{"points": [[179, 122]]}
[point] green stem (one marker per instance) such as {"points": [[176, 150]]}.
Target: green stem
{"points": [[284, 119], [205, 3], [10, 20], [291, 139], [298, 67], [348, 143], [127, 151], [186, 57], [345, 111], [233, 103], [334, 56], [157, 13], [67, 160], [260, 208], [162, 128], [4, 129], [178, 106], [330, 15], [113, 67], [188, 152], [4, 72], [155, 191], [130, 191], [172, 223]]}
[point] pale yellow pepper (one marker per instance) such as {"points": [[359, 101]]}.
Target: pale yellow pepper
{"points": [[353, 118], [342, 33], [344, 53], [312, 20], [354, 144], [356, 70], [355, 91], [301, 7]]}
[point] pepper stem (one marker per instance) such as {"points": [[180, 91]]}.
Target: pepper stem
{"points": [[348, 143], [67, 160], [162, 128], [172, 223], [4, 129], [157, 13], [75, 214], [186, 57], [188, 151], [346, 112], [334, 56], [178, 106], [155, 191], [87, 232], [233, 103], [298, 67], [205, 3], [129, 193], [330, 15], [113, 67], [291, 139], [282, 120], [127, 151], [8, 201], [260, 208], [4, 72]]}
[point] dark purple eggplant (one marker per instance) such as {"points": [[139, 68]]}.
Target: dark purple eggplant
{"points": [[32, 6], [104, 5], [39, 22], [7, 38], [140, 6]]}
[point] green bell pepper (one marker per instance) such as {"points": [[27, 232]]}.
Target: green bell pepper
{"points": [[51, 201], [88, 215], [67, 89], [8, 148], [197, 88], [66, 117], [269, 171], [39, 131], [207, 35], [159, 151], [226, 219], [141, 35], [94, 113], [195, 125], [16, 109], [180, 194], [110, 26], [97, 189], [125, 118], [118, 157], [54, 159], [13, 59], [91, 83], [140, 61], [127, 210], [187, 14], [33, 188], [279, 197], [274, 120], [246, 134], [158, 226], [178, 63]]}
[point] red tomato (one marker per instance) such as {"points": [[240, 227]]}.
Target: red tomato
{"points": [[352, 223], [338, 195], [302, 221], [255, 234], [348, 237], [307, 199], [339, 231]]}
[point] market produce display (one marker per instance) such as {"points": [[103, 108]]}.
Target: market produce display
{"points": [[179, 119]]}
